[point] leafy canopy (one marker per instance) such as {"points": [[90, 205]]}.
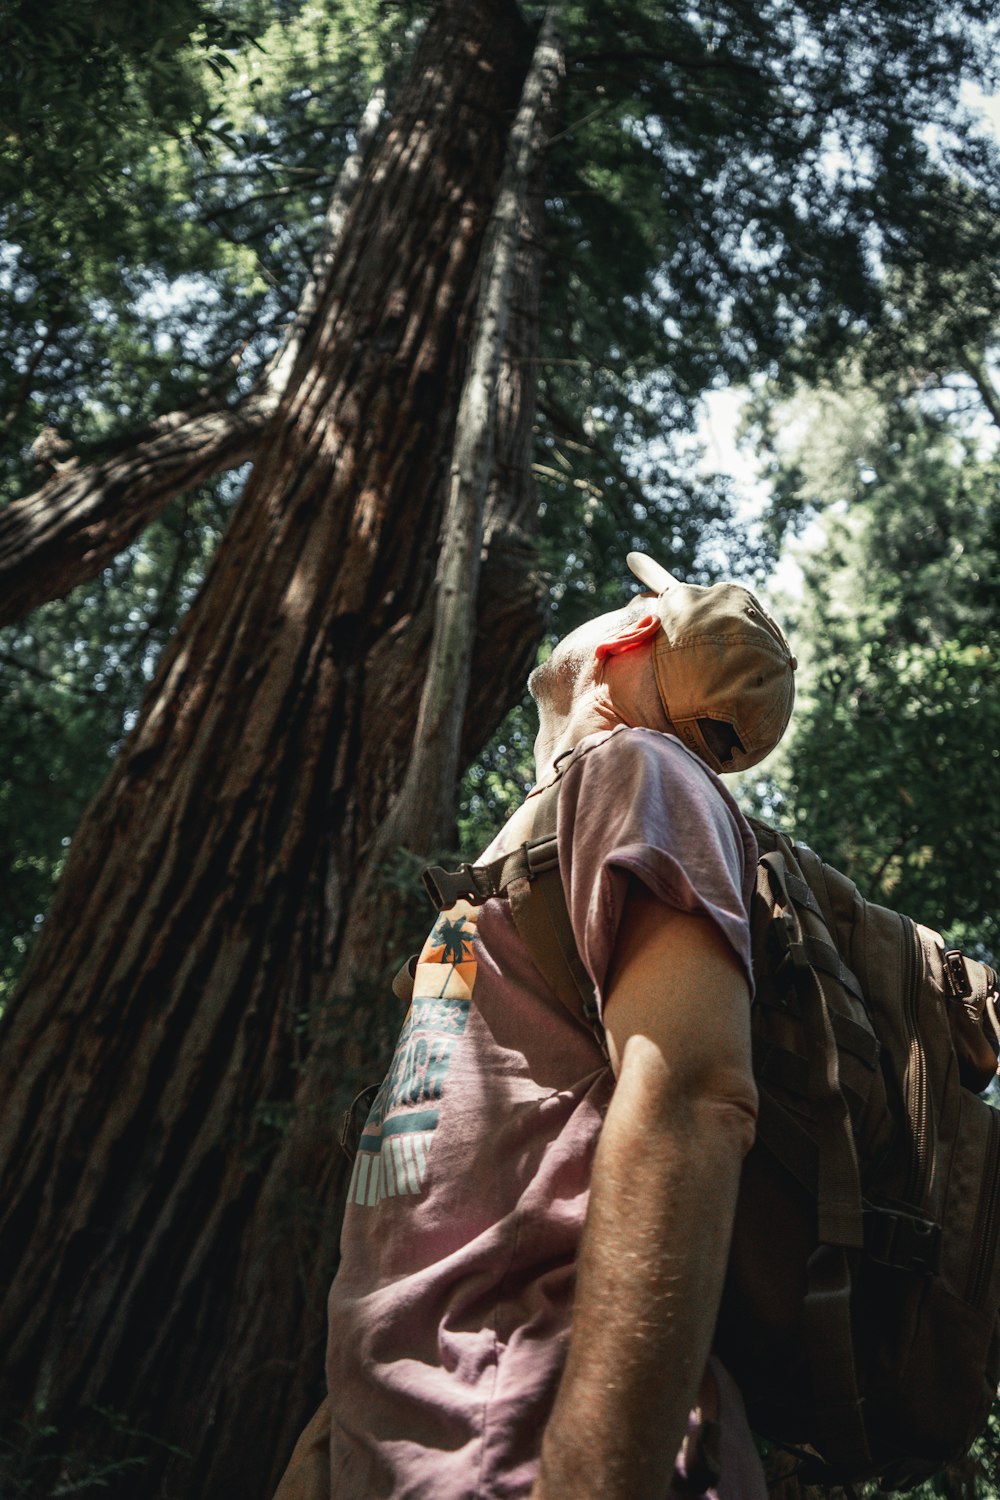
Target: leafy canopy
{"points": [[893, 767]]}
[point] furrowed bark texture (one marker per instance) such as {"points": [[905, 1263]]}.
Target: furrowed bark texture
{"points": [[353, 1024], [355, 1030], [189, 1027], [427, 797]]}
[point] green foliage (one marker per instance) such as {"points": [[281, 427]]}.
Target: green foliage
{"points": [[726, 193], [39, 1462], [943, 296], [101, 103], [893, 770], [895, 778], [155, 236], [975, 1477], [498, 780], [75, 75]]}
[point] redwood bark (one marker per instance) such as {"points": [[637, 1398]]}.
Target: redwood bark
{"points": [[426, 799], [188, 1025], [355, 1026]]}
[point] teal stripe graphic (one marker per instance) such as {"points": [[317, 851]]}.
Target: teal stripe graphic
{"points": [[419, 1119]]}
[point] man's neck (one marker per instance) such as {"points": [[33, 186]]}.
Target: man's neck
{"points": [[557, 735]]}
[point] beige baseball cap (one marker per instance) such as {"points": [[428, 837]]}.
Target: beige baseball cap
{"points": [[724, 670]]}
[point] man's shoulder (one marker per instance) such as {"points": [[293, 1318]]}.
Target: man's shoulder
{"points": [[649, 770], [628, 745]]}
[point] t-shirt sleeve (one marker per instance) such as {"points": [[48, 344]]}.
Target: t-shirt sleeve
{"points": [[641, 804]]}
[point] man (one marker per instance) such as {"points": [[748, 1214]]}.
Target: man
{"points": [[537, 1231]]}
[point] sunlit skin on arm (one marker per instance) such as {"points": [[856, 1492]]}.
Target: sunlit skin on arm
{"points": [[663, 1195]]}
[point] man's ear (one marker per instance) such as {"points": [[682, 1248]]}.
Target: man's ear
{"points": [[628, 637]]}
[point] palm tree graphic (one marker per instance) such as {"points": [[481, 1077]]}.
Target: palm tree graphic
{"points": [[452, 935]]}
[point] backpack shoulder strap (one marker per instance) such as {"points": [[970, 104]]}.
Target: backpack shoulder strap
{"points": [[530, 879], [793, 907], [538, 907], [839, 1188]]}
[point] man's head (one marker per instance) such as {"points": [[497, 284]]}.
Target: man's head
{"points": [[707, 664], [724, 671]]}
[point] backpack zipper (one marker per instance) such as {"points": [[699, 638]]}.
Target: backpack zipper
{"points": [[984, 1233], [916, 1073]]}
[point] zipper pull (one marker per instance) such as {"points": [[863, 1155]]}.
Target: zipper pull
{"points": [[956, 975]]}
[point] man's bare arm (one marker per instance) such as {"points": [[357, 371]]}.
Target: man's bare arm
{"points": [[663, 1194]]}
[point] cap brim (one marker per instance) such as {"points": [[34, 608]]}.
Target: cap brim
{"points": [[650, 573]]}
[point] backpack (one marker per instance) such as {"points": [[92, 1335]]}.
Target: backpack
{"points": [[861, 1311]]}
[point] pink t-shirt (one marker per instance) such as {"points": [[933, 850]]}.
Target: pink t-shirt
{"points": [[451, 1311]]}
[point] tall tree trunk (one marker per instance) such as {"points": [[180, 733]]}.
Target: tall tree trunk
{"points": [[420, 813], [355, 1025], [181, 1024], [86, 513]]}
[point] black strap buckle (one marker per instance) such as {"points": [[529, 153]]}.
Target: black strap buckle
{"points": [[902, 1240], [445, 887]]}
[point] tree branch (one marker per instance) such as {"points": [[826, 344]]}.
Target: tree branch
{"points": [[70, 528], [899, 844], [40, 675], [24, 387], [978, 373], [572, 427], [688, 64]]}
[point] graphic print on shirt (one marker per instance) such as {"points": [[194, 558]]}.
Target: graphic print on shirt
{"points": [[396, 1141]]}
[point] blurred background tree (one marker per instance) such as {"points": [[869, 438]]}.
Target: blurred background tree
{"points": [[893, 769]]}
